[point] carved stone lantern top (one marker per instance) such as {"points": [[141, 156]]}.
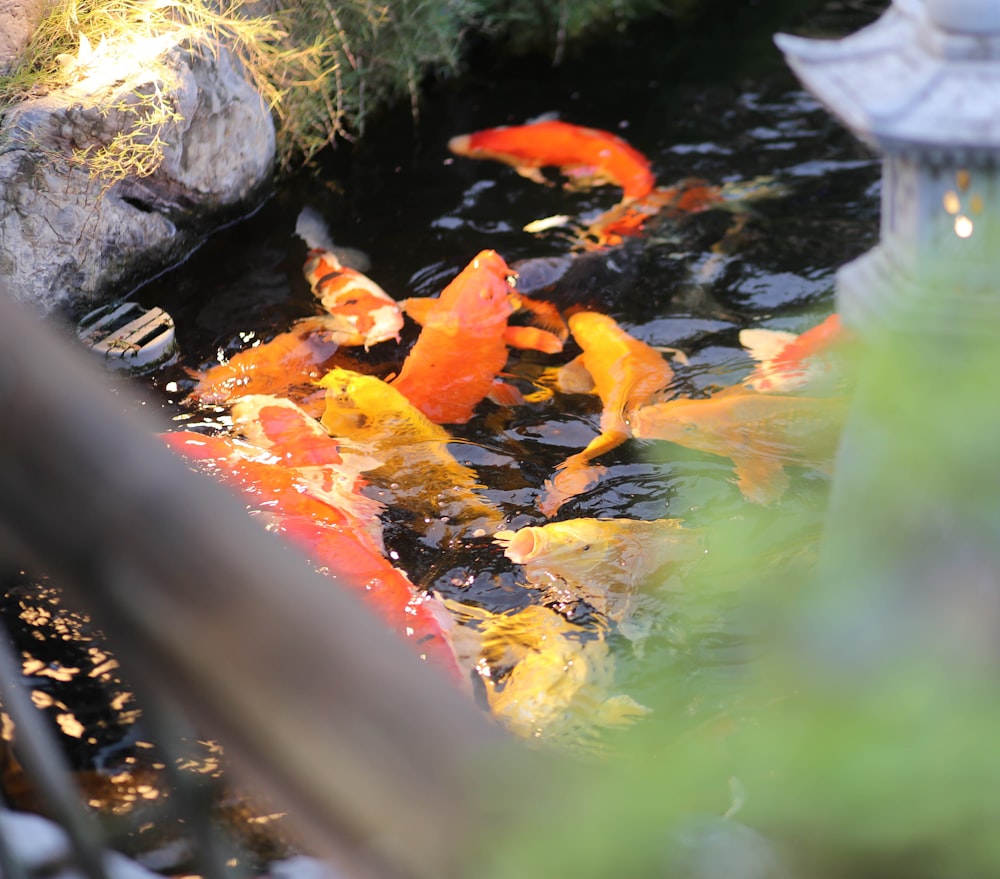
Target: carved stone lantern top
{"points": [[925, 77]]}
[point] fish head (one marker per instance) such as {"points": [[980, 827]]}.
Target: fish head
{"points": [[678, 421], [482, 295]]}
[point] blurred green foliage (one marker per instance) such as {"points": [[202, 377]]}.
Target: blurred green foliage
{"points": [[855, 738]]}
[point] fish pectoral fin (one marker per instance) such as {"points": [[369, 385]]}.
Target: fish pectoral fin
{"points": [[533, 338], [504, 394], [573, 477], [533, 173], [418, 308], [545, 316], [761, 479], [573, 378]]}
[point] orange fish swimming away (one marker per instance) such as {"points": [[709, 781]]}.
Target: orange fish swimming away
{"points": [[463, 342], [761, 433], [586, 156], [589, 157], [625, 373]]}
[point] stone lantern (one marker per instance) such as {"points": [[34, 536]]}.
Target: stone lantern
{"points": [[922, 86], [910, 563]]}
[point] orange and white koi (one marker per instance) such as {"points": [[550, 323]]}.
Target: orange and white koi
{"points": [[327, 535], [625, 373], [761, 433], [359, 311], [463, 342], [788, 362]]}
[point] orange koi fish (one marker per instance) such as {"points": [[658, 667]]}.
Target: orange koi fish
{"points": [[462, 346], [288, 365], [761, 433], [787, 362], [296, 440], [628, 219], [325, 533], [417, 470], [586, 156], [625, 373]]}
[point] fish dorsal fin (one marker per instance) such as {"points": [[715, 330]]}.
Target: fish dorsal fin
{"points": [[549, 116], [764, 345]]}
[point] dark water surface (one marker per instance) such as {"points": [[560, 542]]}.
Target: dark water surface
{"points": [[720, 106]]}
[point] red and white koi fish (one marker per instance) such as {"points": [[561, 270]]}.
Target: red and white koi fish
{"points": [[328, 536], [462, 346], [331, 469], [359, 311], [788, 362], [625, 373]]}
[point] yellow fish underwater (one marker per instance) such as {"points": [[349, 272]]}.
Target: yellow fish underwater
{"points": [[545, 678], [625, 373], [418, 472], [761, 433]]}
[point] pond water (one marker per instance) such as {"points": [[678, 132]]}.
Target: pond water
{"points": [[721, 106]]}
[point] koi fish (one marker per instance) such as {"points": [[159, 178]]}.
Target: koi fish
{"points": [[327, 535], [289, 365], [788, 362], [606, 562], [417, 470], [628, 219], [761, 433], [296, 440], [586, 156], [545, 679], [359, 311], [463, 342], [625, 373]]}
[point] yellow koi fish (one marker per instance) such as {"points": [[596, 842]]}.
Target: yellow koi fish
{"points": [[762, 433], [546, 679], [417, 470], [606, 562], [625, 373]]}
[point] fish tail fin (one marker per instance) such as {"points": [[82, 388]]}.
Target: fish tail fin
{"points": [[314, 231], [312, 228]]}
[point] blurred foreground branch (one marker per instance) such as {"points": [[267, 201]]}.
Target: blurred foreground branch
{"points": [[371, 751]]}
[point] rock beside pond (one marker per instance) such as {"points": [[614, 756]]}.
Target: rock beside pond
{"points": [[70, 239]]}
